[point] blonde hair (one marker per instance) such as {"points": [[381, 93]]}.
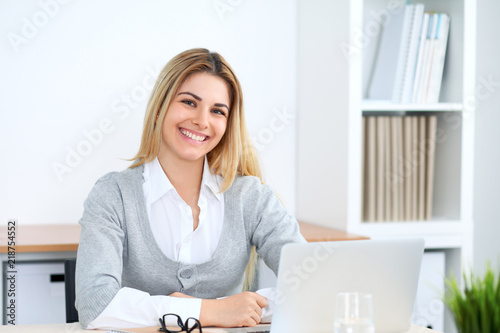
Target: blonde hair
{"points": [[234, 155]]}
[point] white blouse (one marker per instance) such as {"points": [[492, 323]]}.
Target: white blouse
{"points": [[171, 218]]}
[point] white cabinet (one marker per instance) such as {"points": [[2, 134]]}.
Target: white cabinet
{"points": [[40, 295], [38, 287], [337, 44], [429, 307]]}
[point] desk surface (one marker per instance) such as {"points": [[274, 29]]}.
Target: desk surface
{"points": [[43, 238], [77, 328], [65, 237]]}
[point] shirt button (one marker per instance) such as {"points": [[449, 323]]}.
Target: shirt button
{"points": [[187, 273]]}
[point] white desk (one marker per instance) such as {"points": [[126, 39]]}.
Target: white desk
{"points": [[77, 328]]}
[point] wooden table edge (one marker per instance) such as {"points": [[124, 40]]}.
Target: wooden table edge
{"points": [[65, 237]]}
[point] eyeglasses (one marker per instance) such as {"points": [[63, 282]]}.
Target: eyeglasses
{"points": [[191, 324]]}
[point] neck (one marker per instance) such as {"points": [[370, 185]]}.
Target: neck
{"points": [[185, 176]]}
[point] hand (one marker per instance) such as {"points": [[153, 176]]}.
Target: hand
{"points": [[178, 294], [243, 309]]}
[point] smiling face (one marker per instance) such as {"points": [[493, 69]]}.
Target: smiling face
{"points": [[196, 119]]}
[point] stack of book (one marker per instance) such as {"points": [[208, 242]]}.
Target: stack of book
{"points": [[410, 57], [398, 167]]}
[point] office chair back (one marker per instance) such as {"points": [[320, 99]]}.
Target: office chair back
{"points": [[69, 285]]}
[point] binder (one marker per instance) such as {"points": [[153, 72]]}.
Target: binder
{"points": [[400, 157], [384, 72], [420, 58], [429, 52], [408, 143], [404, 49], [411, 57], [380, 169], [398, 167], [415, 168], [395, 178], [371, 166], [387, 168], [422, 163], [440, 43], [431, 139], [364, 169]]}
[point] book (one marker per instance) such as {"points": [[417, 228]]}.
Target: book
{"points": [[364, 170], [422, 164], [431, 153], [380, 185], [420, 57], [400, 157], [408, 137], [415, 166], [384, 71], [427, 65], [404, 47], [371, 167], [411, 56], [398, 167], [387, 168], [440, 43], [394, 178]]}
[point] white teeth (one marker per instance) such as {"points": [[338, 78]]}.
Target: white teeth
{"points": [[193, 136]]}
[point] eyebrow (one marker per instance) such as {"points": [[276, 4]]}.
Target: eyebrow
{"points": [[198, 98]]}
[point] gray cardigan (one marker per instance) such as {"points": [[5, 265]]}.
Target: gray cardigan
{"points": [[117, 247]]}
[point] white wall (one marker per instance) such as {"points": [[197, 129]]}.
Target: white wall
{"points": [[487, 141], [76, 75]]}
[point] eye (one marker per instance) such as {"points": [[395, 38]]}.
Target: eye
{"points": [[188, 102], [219, 111]]}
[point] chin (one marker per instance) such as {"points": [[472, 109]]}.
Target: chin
{"points": [[192, 157]]}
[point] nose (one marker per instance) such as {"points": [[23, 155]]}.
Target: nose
{"points": [[200, 119]]}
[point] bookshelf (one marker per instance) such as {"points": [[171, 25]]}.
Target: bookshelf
{"points": [[337, 43]]}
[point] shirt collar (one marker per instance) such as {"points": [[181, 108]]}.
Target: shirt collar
{"points": [[160, 184], [213, 182]]}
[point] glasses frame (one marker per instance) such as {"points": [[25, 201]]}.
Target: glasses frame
{"points": [[184, 326]]}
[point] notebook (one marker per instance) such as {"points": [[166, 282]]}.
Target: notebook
{"points": [[312, 274]]}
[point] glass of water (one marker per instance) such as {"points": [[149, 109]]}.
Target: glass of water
{"points": [[354, 313]]}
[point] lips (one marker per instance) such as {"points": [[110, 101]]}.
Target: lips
{"points": [[193, 136]]}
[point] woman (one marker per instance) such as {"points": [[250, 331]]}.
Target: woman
{"points": [[174, 232]]}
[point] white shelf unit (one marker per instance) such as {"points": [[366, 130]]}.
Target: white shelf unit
{"points": [[337, 45]]}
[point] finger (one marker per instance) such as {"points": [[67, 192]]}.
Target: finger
{"points": [[261, 301], [258, 311], [179, 294], [255, 318]]}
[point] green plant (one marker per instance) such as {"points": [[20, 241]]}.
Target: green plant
{"points": [[476, 308]]}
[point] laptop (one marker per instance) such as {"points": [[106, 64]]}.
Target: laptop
{"points": [[312, 274]]}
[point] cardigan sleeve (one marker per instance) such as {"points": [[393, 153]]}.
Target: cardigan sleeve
{"points": [[99, 260], [273, 225], [132, 308]]}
